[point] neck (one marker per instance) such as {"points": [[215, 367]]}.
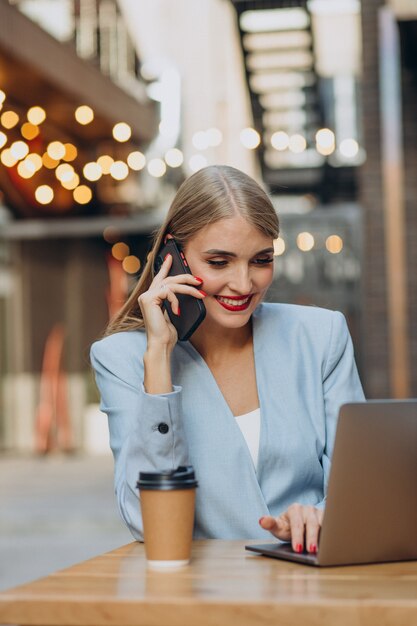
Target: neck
{"points": [[213, 342]]}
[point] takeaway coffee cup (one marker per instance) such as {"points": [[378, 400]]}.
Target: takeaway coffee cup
{"points": [[167, 500]]}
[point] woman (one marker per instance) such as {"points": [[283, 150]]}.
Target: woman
{"points": [[252, 399]]}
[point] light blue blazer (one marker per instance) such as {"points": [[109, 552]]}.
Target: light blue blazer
{"points": [[305, 370]]}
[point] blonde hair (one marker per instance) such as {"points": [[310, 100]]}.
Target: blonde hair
{"points": [[211, 194]]}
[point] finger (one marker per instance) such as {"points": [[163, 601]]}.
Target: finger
{"points": [[168, 294], [165, 267], [183, 279], [278, 526], [312, 529], [183, 289], [296, 519]]}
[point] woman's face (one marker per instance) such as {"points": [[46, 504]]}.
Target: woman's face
{"points": [[235, 261]]}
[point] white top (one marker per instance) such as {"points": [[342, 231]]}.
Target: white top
{"points": [[250, 425]]}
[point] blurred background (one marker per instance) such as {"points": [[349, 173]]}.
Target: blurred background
{"points": [[105, 108]]}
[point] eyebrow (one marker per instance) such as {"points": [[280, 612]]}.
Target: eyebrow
{"points": [[232, 254]]}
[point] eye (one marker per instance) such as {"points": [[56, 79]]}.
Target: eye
{"points": [[263, 261], [216, 263]]}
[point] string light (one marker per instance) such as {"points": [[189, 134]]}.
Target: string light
{"points": [[280, 140], [119, 170], [92, 171], [120, 251], [105, 162], [29, 131], [131, 264], [72, 183], [19, 149], [305, 241], [122, 131], [82, 194], [36, 115], [49, 162], [71, 152], [136, 160], [174, 157], [25, 169], [56, 150], [64, 172], [35, 160], [279, 246], [9, 119], [84, 114], [156, 168], [44, 194], [250, 138], [3, 139], [7, 158], [334, 244]]}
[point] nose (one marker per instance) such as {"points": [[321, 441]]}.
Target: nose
{"points": [[241, 281]]}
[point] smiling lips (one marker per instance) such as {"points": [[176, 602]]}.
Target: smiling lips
{"points": [[234, 303]]}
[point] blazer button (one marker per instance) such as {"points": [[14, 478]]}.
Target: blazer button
{"points": [[163, 428]]}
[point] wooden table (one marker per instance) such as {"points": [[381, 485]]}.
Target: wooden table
{"points": [[224, 585]]}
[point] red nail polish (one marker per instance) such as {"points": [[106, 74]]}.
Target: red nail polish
{"points": [[261, 518], [313, 548], [178, 313], [298, 548], [198, 278], [202, 292]]}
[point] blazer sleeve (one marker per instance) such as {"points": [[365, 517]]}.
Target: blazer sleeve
{"points": [[341, 384], [137, 439]]}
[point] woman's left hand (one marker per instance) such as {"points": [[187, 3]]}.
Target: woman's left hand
{"points": [[299, 524]]}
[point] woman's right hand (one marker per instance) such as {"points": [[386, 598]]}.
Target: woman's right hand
{"points": [[159, 329]]}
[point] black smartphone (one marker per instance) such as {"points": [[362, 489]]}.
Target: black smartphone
{"points": [[192, 310]]}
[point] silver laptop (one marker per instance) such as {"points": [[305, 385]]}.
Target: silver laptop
{"points": [[371, 508]]}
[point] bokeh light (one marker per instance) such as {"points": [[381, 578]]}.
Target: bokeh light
{"points": [[82, 194], [280, 140], [36, 115], [56, 150], [120, 250], [92, 171], [29, 131], [122, 131], [84, 114], [174, 157], [334, 244], [279, 246], [105, 161], [156, 168], [44, 194], [131, 264], [136, 160], [71, 152], [9, 119], [119, 170], [19, 149], [250, 138], [297, 143], [305, 241]]}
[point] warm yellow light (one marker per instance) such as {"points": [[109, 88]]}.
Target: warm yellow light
{"points": [[197, 162], [279, 246], [56, 150], [71, 184], [92, 171], [297, 143], [3, 139], [156, 168], [250, 138], [64, 172], [119, 170], [174, 157], [334, 244], [35, 161], [9, 119], [120, 250], [105, 162], [349, 148], [49, 162], [131, 264], [325, 141], [82, 194], [122, 131], [19, 149], [2, 96], [70, 152], [84, 114], [280, 140], [36, 115], [305, 241], [29, 131], [214, 137], [25, 169], [136, 160], [44, 194], [7, 158]]}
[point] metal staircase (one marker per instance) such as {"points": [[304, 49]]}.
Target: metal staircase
{"points": [[278, 48]]}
